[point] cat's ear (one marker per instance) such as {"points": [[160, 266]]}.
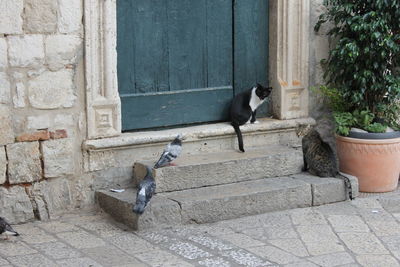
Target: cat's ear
{"points": [[259, 85]]}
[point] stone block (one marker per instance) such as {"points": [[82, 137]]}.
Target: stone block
{"points": [[274, 254], [363, 243], [324, 190], [51, 197], [39, 122], [3, 53], [70, 17], [40, 16], [121, 178], [6, 129], [334, 259], [19, 97], [160, 211], [15, 204], [26, 50], [348, 223], [40, 135], [100, 160], [52, 90], [4, 88], [11, 16], [64, 120], [221, 202], [3, 165], [24, 165], [27, 260], [377, 260], [58, 157], [224, 167], [62, 50]]}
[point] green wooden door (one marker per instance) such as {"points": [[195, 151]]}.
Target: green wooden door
{"points": [[181, 61]]}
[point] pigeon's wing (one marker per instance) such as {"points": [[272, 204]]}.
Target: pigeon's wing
{"points": [[140, 202], [175, 150], [164, 159], [151, 189]]}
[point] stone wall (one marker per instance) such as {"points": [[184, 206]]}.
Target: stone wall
{"points": [[43, 169], [319, 49], [42, 119]]}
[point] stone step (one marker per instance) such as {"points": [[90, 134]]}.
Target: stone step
{"points": [[199, 170], [221, 202]]}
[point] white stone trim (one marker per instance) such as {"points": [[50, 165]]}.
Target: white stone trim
{"points": [[288, 57], [288, 63], [192, 133], [103, 104]]}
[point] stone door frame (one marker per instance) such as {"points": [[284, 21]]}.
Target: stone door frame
{"points": [[288, 63]]}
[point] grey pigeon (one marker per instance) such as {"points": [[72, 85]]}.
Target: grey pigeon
{"points": [[145, 191], [6, 229], [170, 153]]}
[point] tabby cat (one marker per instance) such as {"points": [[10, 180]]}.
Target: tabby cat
{"points": [[319, 158]]}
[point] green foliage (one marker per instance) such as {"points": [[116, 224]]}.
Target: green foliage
{"points": [[344, 121], [360, 119], [333, 98], [361, 70]]}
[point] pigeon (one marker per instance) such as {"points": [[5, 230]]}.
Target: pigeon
{"points": [[145, 191], [6, 229], [170, 153]]}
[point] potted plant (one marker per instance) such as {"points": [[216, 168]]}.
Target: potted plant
{"points": [[363, 88]]}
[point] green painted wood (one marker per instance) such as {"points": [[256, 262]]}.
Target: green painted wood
{"points": [[219, 43], [185, 50], [125, 47], [164, 109], [251, 46], [151, 46], [174, 47], [187, 44]]}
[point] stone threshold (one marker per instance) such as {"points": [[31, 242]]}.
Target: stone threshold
{"points": [[192, 133]]}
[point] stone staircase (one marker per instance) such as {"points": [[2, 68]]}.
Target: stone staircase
{"points": [[226, 184]]}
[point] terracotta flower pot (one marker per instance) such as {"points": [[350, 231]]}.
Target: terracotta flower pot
{"points": [[376, 163]]}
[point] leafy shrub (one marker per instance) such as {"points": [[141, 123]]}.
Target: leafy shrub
{"points": [[362, 68]]}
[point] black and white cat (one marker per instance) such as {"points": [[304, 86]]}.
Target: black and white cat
{"points": [[244, 106]]}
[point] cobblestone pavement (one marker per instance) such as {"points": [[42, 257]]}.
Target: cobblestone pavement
{"points": [[364, 232]]}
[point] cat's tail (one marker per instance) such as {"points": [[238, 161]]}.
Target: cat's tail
{"points": [[348, 186], [239, 135]]}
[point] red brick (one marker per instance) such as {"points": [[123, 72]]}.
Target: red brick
{"points": [[58, 134], [40, 135]]}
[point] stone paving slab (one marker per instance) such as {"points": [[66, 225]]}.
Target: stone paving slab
{"points": [[339, 234]]}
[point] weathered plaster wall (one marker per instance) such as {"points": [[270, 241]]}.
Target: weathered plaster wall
{"points": [[42, 118]]}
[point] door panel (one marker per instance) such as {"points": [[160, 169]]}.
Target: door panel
{"points": [[155, 109], [177, 59], [179, 47], [251, 46]]}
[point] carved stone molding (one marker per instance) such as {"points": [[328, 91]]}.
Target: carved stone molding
{"points": [[288, 62], [102, 100]]}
